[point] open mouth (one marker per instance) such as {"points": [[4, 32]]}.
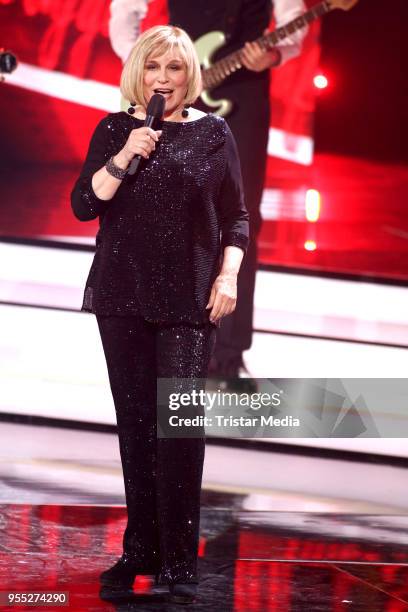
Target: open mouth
{"points": [[164, 92]]}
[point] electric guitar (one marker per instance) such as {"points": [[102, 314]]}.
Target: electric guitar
{"points": [[214, 74]]}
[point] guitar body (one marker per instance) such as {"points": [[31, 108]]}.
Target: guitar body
{"points": [[206, 47], [214, 73]]}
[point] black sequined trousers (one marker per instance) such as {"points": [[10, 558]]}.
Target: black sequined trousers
{"points": [[162, 476]]}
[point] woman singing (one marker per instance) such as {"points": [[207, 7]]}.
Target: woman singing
{"points": [[168, 251]]}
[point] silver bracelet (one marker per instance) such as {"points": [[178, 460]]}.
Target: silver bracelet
{"points": [[114, 170]]}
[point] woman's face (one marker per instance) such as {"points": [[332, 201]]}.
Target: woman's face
{"points": [[166, 74]]}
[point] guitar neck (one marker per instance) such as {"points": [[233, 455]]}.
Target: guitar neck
{"points": [[219, 71]]}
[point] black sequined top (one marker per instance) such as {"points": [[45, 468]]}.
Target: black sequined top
{"points": [[160, 237]]}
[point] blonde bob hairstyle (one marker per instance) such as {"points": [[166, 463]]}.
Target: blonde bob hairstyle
{"points": [[155, 42]]}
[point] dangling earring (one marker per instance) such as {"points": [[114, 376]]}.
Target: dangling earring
{"points": [[131, 109], [184, 112]]}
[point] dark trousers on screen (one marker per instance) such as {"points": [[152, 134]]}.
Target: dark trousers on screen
{"points": [[249, 123]]}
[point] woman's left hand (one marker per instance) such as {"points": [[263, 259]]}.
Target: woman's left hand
{"points": [[223, 298]]}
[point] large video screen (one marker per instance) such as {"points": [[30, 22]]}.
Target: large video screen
{"points": [[67, 80]]}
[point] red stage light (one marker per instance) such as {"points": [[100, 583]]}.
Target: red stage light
{"points": [[320, 81]]}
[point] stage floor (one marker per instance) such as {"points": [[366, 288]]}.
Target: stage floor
{"points": [[271, 539], [260, 561]]}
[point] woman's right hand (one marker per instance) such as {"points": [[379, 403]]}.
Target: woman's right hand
{"points": [[141, 141]]}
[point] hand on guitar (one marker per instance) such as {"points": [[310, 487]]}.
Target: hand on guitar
{"points": [[344, 5], [255, 58]]}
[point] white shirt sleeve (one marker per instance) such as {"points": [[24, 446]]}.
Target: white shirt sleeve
{"points": [[126, 15], [124, 24], [285, 11]]}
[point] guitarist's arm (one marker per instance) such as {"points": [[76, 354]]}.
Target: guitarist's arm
{"points": [[255, 58], [124, 25]]}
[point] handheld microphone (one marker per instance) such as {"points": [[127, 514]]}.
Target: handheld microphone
{"points": [[155, 110]]}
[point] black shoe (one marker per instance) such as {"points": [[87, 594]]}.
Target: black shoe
{"points": [[182, 593], [122, 575]]}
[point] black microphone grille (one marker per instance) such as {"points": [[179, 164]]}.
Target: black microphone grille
{"points": [[155, 108]]}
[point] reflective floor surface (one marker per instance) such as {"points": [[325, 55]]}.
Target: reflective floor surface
{"points": [[284, 561], [279, 530]]}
